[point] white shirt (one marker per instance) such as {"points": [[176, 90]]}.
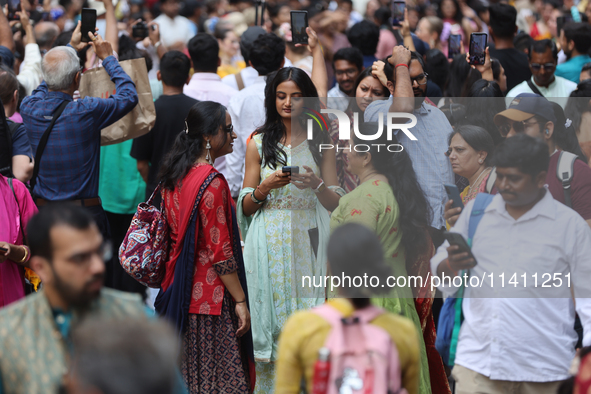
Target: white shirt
{"points": [[174, 30], [339, 99], [247, 109], [209, 87], [249, 76], [523, 339], [558, 91], [30, 74]]}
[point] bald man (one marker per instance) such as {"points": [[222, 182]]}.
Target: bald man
{"points": [[45, 34]]}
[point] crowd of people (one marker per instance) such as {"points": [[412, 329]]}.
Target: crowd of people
{"points": [[250, 164]]}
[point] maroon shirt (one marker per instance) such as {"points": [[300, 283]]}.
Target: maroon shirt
{"points": [[580, 186]]}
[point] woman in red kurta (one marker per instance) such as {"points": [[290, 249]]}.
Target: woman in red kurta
{"points": [[211, 303]]}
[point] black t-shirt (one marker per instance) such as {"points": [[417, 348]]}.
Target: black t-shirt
{"points": [[515, 63], [171, 112]]}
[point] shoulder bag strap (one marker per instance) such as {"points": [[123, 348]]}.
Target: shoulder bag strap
{"points": [[481, 202], [534, 88], [490, 182], [239, 80], [43, 142], [565, 172]]}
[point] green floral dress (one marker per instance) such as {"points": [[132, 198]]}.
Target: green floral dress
{"points": [[288, 215], [373, 204]]}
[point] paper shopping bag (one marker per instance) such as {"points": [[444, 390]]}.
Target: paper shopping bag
{"points": [[97, 83]]}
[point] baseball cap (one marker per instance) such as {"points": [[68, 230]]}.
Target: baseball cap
{"points": [[526, 105]]}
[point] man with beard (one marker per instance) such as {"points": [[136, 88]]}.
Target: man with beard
{"points": [[523, 342], [347, 64], [69, 255], [407, 82], [575, 40]]}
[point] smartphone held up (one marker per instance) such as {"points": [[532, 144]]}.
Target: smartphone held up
{"points": [[299, 23], [477, 48], [88, 25], [454, 46], [397, 8]]}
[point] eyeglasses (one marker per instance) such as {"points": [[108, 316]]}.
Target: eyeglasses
{"points": [[229, 129], [350, 72], [546, 66], [519, 127], [448, 152], [419, 79]]}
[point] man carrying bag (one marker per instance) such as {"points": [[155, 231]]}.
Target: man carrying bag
{"points": [[67, 167]]}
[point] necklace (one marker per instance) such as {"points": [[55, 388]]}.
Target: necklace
{"points": [[477, 179]]}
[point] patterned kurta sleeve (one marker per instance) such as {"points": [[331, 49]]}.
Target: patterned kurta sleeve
{"points": [[215, 219]]}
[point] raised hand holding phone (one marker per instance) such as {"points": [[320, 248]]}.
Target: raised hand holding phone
{"points": [[477, 49], [88, 19]]}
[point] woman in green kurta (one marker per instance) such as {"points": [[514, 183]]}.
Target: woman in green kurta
{"points": [[278, 213], [389, 201]]}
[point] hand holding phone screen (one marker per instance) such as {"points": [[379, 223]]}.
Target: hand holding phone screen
{"points": [[477, 48]]}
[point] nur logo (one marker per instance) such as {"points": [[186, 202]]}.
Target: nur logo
{"points": [[345, 127]]}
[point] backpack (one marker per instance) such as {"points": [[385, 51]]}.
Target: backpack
{"points": [[363, 357], [451, 316], [564, 172], [144, 250]]}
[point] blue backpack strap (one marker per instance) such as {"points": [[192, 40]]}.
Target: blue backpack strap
{"points": [[481, 202]]}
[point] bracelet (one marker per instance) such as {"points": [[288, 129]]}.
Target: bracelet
{"points": [[401, 64], [26, 256], [451, 269], [319, 188], [240, 302], [157, 44], [255, 199]]}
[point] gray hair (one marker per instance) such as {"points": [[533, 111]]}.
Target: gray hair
{"points": [[60, 66], [131, 356]]}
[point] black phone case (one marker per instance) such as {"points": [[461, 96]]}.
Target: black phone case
{"points": [[478, 60], [299, 38], [85, 28]]}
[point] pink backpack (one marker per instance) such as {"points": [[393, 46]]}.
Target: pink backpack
{"points": [[363, 357]]}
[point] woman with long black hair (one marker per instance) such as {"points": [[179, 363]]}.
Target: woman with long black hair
{"points": [[284, 215], [203, 292], [367, 89], [390, 201]]}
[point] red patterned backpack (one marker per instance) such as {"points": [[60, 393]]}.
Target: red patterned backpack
{"points": [[144, 250]]}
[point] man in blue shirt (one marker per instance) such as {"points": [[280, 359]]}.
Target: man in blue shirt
{"points": [[575, 40], [69, 166], [407, 82]]}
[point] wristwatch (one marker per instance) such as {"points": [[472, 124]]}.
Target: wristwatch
{"points": [[320, 188], [157, 44]]}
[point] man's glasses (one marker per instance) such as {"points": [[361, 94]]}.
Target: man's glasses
{"points": [[419, 79], [519, 127], [546, 66]]}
